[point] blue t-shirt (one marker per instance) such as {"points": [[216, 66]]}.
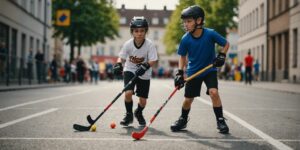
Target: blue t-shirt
{"points": [[201, 50]]}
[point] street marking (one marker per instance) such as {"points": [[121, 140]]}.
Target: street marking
{"points": [[130, 139], [269, 139], [148, 139], [27, 117], [43, 100]]}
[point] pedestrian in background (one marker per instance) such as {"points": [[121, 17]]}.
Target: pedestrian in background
{"points": [[139, 55], [256, 70], [29, 65], [53, 68], [39, 61], [248, 64], [95, 68]]}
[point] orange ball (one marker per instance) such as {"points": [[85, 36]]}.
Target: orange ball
{"points": [[112, 125]]}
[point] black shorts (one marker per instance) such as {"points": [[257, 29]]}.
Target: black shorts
{"points": [[142, 86], [193, 87]]}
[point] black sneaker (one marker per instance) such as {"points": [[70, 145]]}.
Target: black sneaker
{"points": [[222, 126], [128, 119], [140, 118], [179, 124]]}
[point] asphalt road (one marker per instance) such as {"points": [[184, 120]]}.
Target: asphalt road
{"points": [[43, 119]]}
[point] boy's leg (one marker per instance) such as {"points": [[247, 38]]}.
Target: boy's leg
{"points": [[183, 119], [192, 89], [128, 119], [142, 91], [211, 82]]}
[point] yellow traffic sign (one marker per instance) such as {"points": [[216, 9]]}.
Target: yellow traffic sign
{"points": [[63, 17]]}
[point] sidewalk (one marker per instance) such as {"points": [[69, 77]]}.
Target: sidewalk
{"points": [[15, 87], [275, 86]]}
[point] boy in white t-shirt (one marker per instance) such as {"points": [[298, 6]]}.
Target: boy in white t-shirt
{"points": [[139, 55]]}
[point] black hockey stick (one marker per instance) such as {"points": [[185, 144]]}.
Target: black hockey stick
{"points": [[89, 118], [139, 135]]}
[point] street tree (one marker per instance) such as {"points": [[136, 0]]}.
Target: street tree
{"points": [[91, 21], [219, 15]]}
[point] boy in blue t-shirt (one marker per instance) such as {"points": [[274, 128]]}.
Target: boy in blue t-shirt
{"points": [[197, 50]]}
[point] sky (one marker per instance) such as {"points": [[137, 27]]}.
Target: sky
{"points": [[151, 4]]}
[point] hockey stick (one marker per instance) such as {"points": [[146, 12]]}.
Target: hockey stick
{"points": [[139, 135], [89, 118]]}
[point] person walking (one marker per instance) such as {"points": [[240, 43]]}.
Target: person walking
{"points": [[249, 65]]}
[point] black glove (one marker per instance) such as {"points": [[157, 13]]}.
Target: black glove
{"points": [[179, 81], [220, 60], [142, 68], [118, 68]]}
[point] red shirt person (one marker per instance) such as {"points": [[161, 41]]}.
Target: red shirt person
{"points": [[248, 64]]}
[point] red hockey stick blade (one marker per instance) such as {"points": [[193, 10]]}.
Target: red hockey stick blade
{"points": [[139, 135]]}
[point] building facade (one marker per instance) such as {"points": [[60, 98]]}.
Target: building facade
{"points": [[269, 29], [283, 50], [24, 25], [252, 31]]}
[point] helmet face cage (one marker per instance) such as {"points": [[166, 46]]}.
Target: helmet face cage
{"points": [[138, 22]]}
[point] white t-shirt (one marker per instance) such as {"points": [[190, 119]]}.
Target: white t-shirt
{"points": [[133, 56]]}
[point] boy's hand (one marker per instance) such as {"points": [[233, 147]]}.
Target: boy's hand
{"points": [[179, 80], [220, 60], [118, 69], [142, 69]]}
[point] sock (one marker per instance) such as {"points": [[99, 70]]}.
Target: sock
{"points": [[139, 109], [218, 112], [128, 106], [185, 113]]}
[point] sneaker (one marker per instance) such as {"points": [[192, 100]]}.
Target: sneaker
{"points": [[140, 118], [222, 126], [128, 119], [179, 124]]}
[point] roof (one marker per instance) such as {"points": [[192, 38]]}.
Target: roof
{"points": [[148, 14]]}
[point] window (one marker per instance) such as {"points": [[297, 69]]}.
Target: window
{"points": [[31, 43], [13, 65], [256, 18], [262, 17], [37, 44], [295, 48], [32, 8], [24, 4], [39, 13], [166, 20], [123, 20], [155, 21]]}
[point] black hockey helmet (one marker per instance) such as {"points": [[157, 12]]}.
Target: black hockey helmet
{"points": [[139, 22], [194, 12]]}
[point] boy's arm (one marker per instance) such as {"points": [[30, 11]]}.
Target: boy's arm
{"points": [[182, 62], [225, 48], [220, 59], [152, 63]]}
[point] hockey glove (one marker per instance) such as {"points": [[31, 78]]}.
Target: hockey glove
{"points": [[142, 68], [179, 80], [220, 60], [118, 68]]}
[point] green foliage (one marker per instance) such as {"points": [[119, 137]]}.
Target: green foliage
{"points": [[218, 16], [92, 21]]}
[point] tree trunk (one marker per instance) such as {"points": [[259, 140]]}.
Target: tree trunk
{"points": [[72, 45]]}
